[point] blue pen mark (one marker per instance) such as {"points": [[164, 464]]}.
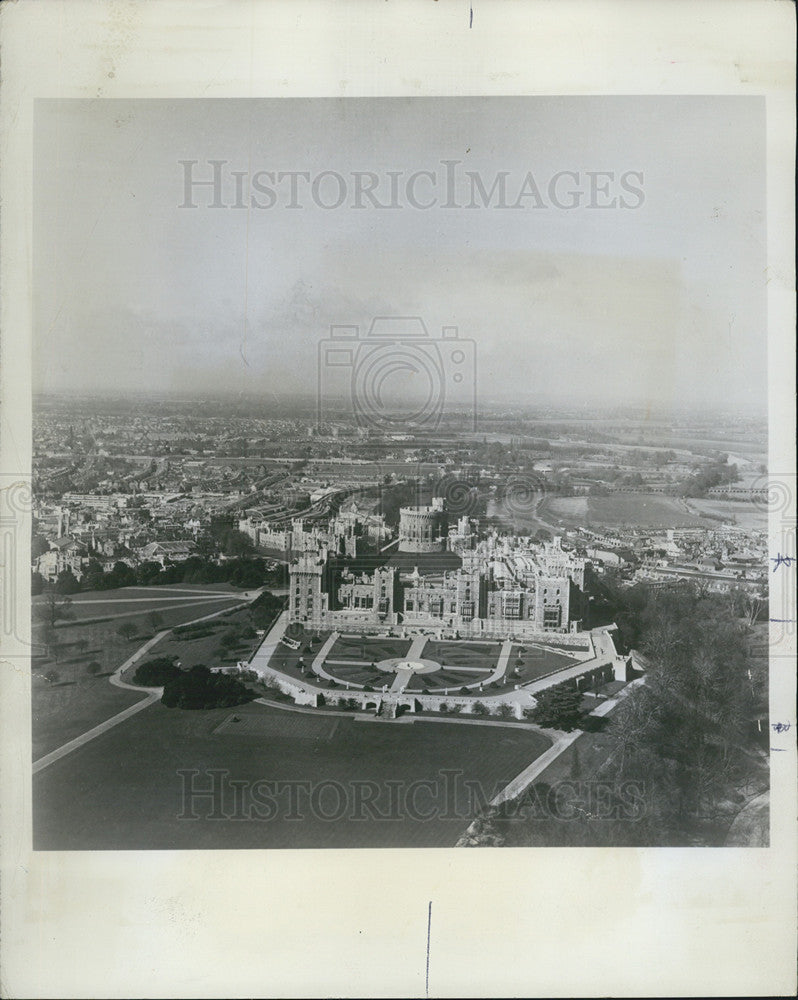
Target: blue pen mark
{"points": [[470, 17], [780, 727], [780, 560], [783, 621], [429, 927]]}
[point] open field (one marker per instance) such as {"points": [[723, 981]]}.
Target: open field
{"points": [[63, 711], [77, 701], [123, 790], [643, 510], [748, 516], [138, 602]]}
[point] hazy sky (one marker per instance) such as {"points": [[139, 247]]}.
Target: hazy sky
{"points": [[661, 302]]}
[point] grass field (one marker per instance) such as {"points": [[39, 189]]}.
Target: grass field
{"points": [[77, 701], [535, 661], [748, 516], [483, 655], [643, 510], [368, 650], [204, 644], [123, 790], [139, 602]]}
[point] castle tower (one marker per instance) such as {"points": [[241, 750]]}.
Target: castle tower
{"points": [[307, 601], [423, 529]]}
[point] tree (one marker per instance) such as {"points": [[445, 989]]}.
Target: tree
{"points": [[749, 604], [93, 576], [121, 575], [685, 731], [93, 668], [199, 688], [229, 639], [156, 672], [236, 543], [52, 677], [127, 630], [149, 573], [155, 620], [558, 707], [54, 608], [82, 645], [480, 708], [36, 584], [67, 583]]}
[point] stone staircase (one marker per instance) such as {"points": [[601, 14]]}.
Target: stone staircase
{"points": [[386, 709]]}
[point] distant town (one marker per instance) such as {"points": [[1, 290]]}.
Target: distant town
{"points": [[211, 553]]}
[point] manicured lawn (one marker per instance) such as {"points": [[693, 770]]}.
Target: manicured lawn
{"points": [[123, 790], [535, 661], [368, 650], [286, 659], [135, 602], [66, 710], [77, 701], [463, 654], [436, 682]]}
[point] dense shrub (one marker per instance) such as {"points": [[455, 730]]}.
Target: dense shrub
{"points": [[156, 673], [558, 707], [198, 688]]}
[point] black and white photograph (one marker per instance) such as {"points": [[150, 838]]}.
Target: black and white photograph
{"points": [[395, 502], [400, 473]]}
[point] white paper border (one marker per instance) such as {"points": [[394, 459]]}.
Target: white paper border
{"points": [[548, 922]]}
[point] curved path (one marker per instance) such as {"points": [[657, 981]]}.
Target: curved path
{"points": [[151, 695]]}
